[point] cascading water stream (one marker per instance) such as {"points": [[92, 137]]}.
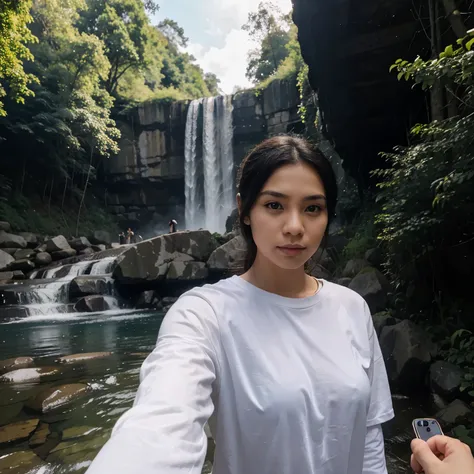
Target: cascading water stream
{"points": [[214, 170]]}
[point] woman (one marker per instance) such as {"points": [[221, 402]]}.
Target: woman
{"points": [[287, 369]]}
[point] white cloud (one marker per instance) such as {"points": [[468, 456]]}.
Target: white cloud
{"points": [[225, 18]]}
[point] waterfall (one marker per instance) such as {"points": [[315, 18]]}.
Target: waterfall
{"points": [[217, 175], [190, 166], [103, 267], [226, 156], [211, 170]]}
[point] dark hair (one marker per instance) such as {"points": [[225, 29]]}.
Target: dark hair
{"points": [[263, 161]]}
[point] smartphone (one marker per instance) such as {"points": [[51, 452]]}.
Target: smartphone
{"points": [[425, 428]]}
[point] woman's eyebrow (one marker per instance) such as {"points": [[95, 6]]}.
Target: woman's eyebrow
{"points": [[283, 196]]}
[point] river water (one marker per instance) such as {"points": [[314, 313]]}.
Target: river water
{"points": [[77, 433]]}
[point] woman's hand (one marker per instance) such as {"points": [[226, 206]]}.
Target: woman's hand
{"points": [[441, 455]]}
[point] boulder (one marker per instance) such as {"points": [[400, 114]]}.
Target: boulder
{"points": [[87, 251], [98, 248], [80, 243], [83, 357], [21, 254], [374, 256], [31, 375], [31, 239], [41, 248], [16, 432], [100, 237], [9, 413], [88, 285], [373, 287], [232, 222], [56, 244], [187, 270], [228, 255], [353, 267], [10, 251], [145, 300], [18, 275], [149, 260], [11, 241], [9, 365], [381, 320], [42, 259], [19, 462], [445, 379], [456, 413], [23, 265], [56, 397], [408, 352], [5, 226], [5, 260], [62, 254], [92, 304], [40, 435], [6, 276], [345, 281]]}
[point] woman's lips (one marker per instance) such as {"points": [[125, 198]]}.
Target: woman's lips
{"points": [[291, 251]]}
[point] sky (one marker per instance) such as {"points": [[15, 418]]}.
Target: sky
{"points": [[216, 39]]}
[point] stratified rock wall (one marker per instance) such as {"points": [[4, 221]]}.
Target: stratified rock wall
{"points": [[146, 180]]}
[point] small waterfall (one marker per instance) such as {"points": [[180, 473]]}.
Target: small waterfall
{"points": [[190, 166], [103, 267], [217, 164]]}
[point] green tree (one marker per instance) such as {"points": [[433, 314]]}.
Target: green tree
{"points": [[122, 26], [212, 83], [270, 29], [173, 32], [427, 221], [14, 36]]}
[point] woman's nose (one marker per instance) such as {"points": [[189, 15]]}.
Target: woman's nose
{"points": [[293, 224]]}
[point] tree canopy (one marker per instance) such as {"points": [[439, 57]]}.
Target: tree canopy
{"points": [[14, 37]]}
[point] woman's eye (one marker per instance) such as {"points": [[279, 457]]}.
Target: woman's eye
{"points": [[274, 206], [313, 208]]}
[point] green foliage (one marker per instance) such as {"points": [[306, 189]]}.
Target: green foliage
{"points": [[212, 83], [426, 193], [32, 215], [173, 32], [364, 235], [14, 36], [270, 29]]}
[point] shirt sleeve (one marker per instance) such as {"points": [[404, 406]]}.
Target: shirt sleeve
{"points": [[374, 454], [380, 408], [163, 433]]}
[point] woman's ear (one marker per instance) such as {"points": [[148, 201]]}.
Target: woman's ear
{"points": [[239, 207]]}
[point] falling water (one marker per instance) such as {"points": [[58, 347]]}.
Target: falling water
{"points": [[211, 169], [190, 166], [217, 164], [226, 129], [103, 267]]}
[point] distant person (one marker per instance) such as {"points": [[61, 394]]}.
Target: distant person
{"points": [[457, 456], [172, 223], [287, 368], [122, 238], [130, 236]]}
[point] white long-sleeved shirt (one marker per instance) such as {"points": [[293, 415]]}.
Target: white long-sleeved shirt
{"points": [[288, 385]]}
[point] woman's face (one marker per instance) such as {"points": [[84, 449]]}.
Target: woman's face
{"points": [[289, 217]]}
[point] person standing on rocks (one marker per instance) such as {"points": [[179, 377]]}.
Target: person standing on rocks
{"points": [[286, 368], [172, 225], [122, 238], [130, 236]]}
